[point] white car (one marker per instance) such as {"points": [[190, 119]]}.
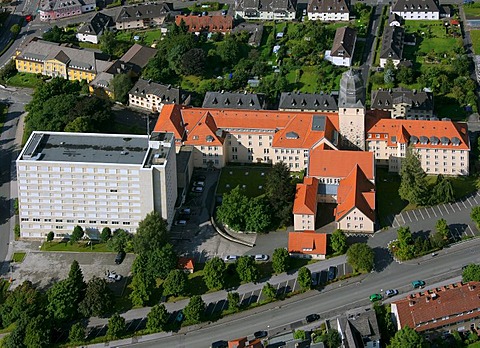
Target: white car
{"points": [[391, 292], [114, 276], [261, 257], [197, 189], [230, 258]]}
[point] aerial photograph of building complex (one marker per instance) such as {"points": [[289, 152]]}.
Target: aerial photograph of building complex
{"points": [[240, 173]]}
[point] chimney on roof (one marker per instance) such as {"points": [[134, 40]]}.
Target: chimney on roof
{"points": [[434, 296], [471, 287], [414, 91], [411, 303]]}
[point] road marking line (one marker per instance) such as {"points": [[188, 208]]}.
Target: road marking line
{"points": [[406, 213], [259, 296], [438, 207], [251, 298], [444, 207], [471, 202], [215, 306], [473, 234], [243, 296], [433, 210], [224, 304], [294, 284], [136, 329], [475, 199], [420, 211], [426, 210], [451, 206], [286, 287], [463, 202], [413, 211], [458, 206], [404, 222]]}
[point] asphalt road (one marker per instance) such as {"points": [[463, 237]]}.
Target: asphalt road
{"points": [[290, 313], [9, 147]]}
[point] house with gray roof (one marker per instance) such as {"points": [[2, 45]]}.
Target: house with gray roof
{"points": [[234, 100], [91, 30], [343, 47], [359, 328], [265, 9], [296, 101], [56, 9], [395, 20], [417, 9], [392, 45], [404, 103], [328, 10], [254, 29], [143, 16], [152, 96]]}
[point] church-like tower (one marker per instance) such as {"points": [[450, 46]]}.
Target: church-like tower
{"points": [[351, 110]]}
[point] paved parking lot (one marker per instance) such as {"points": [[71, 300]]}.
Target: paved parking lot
{"points": [[44, 269], [457, 215]]}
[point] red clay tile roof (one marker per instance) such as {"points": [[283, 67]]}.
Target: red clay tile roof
{"points": [[212, 24], [419, 311], [355, 191], [299, 241], [418, 128], [237, 343], [170, 120], [205, 132], [186, 263], [339, 163], [306, 197]]}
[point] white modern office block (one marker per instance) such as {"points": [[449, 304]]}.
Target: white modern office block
{"points": [[92, 180]]}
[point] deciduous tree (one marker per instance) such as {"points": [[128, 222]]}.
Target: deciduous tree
{"points": [[121, 241], [116, 326], [176, 283], [105, 235], [280, 191], [121, 85], [23, 300], [151, 233], [143, 285], [442, 228], [157, 318], [247, 269], [77, 333], [413, 185], [234, 209], [269, 291], [15, 29], [280, 260], [50, 236], [475, 215], [259, 217], [233, 299], [37, 333], [214, 273], [360, 256], [304, 278], [77, 234], [407, 337], [193, 61], [338, 241], [62, 301], [98, 298], [333, 339], [195, 309], [471, 273]]}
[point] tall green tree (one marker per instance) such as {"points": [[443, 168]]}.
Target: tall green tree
{"points": [[247, 269], [15, 29], [176, 283], [304, 278], [361, 257], [75, 275], [143, 285], [442, 228], [233, 299], [121, 85], [234, 209], [280, 192], [62, 301], [214, 273], [105, 235], [333, 339], [471, 273], [193, 62], [195, 309], [37, 333], [23, 300], [116, 326], [475, 215], [338, 241], [151, 233], [76, 333], [121, 241], [98, 298], [405, 244], [77, 234], [442, 192], [269, 291], [229, 51], [108, 42], [157, 318], [162, 260], [50, 236], [413, 186], [280, 260], [259, 217], [407, 337]]}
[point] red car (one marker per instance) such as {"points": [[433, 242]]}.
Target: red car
{"points": [[29, 18]]}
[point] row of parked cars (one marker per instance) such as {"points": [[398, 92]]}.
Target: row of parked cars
{"points": [[258, 258], [416, 284]]}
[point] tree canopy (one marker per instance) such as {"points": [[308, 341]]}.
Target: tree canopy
{"points": [[361, 257], [475, 215], [121, 240], [214, 273], [98, 298], [471, 273], [280, 192], [195, 309], [338, 241], [280, 260], [157, 318], [176, 283], [116, 326], [407, 337], [304, 278], [151, 233], [413, 185], [247, 269]]}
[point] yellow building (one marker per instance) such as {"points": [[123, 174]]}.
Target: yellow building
{"points": [[53, 59]]}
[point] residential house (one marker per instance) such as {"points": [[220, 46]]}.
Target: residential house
{"points": [[443, 146], [417, 9], [94, 181], [254, 29], [392, 45], [305, 205], [343, 47], [186, 264], [245, 343], [404, 103], [453, 307], [57, 9], [59, 60], [359, 328], [208, 24], [233, 100], [143, 16], [152, 96], [265, 9], [307, 245], [94, 28], [132, 62], [328, 10], [297, 101]]}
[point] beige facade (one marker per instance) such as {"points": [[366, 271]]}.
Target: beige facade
{"points": [[304, 222], [56, 192], [204, 156], [356, 221]]}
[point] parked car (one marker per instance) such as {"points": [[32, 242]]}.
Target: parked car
{"points": [[112, 275], [197, 189], [181, 222], [323, 278], [185, 211], [418, 284], [230, 258], [224, 12], [199, 183], [179, 317], [332, 273], [261, 257], [120, 256], [312, 317], [219, 344], [391, 292], [260, 334], [315, 278], [375, 297]]}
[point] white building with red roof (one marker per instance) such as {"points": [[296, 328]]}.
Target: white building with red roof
{"points": [[305, 205], [307, 245], [451, 307]]}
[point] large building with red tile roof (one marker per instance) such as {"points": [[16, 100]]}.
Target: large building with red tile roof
{"points": [[308, 245], [305, 205], [451, 307], [209, 24]]}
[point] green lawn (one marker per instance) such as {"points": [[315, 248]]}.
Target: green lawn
{"points": [[233, 176], [472, 11], [475, 35], [304, 79], [75, 247], [89, 45], [21, 79], [18, 257], [474, 345], [388, 199]]}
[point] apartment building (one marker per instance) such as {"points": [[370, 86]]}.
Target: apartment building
{"points": [[91, 30], [57, 9], [234, 100], [443, 146], [452, 307], [265, 9], [151, 96], [328, 10], [143, 16], [297, 101], [417, 9], [404, 103], [206, 24], [307, 245], [94, 181], [305, 205], [343, 47], [392, 45], [58, 60]]}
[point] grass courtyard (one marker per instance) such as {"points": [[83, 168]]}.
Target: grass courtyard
{"points": [[475, 36], [251, 180]]}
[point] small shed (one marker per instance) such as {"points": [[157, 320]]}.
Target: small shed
{"points": [[186, 264]]}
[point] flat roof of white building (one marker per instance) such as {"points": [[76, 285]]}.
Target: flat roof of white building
{"points": [[82, 147]]}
